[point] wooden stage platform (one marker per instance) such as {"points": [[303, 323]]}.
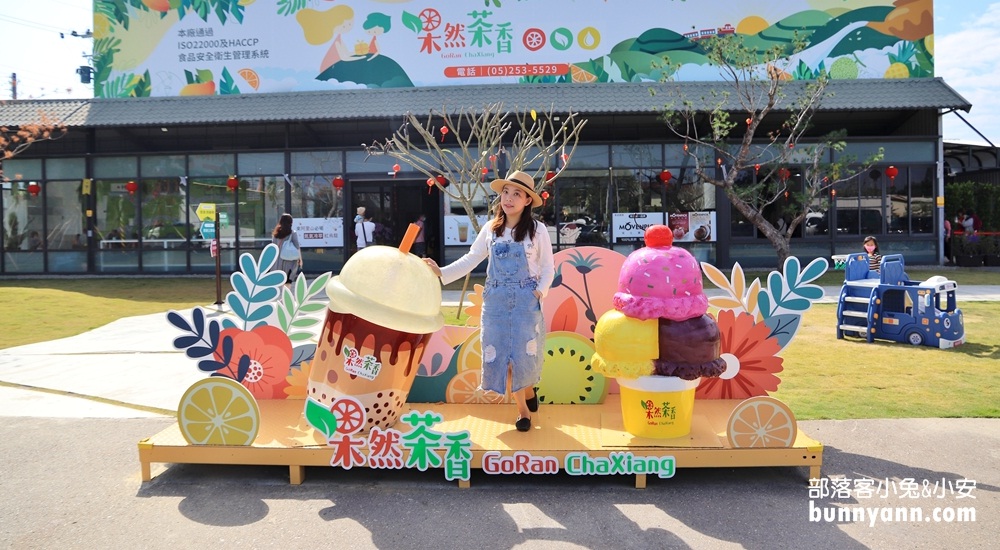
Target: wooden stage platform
{"points": [[285, 439]]}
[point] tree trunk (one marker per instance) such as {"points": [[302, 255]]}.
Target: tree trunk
{"points": [[780, 241]]}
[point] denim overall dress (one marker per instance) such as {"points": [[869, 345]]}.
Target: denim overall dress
{"points": [[511, 320]]}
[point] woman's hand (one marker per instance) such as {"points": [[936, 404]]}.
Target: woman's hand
{"points": [[538, 294], [433, 265]]}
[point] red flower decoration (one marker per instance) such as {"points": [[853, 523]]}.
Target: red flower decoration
{"points": [[751, 363], [269, 352]]}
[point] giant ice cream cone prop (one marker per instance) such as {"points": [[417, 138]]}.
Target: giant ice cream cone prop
{"points": [[658, 341], [384, 306]]}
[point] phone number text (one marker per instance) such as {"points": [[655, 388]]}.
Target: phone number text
{"points": [[527, 69]]}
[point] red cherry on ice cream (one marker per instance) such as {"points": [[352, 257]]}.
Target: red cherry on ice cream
{"points": [[658, 235]]}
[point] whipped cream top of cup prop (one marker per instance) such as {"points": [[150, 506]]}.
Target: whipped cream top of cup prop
{"points": [[660, 324], [390, 287]]}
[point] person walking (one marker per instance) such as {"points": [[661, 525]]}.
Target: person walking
{"points": [[519, 272], [364, 232], [289, 250], [947, 240]]}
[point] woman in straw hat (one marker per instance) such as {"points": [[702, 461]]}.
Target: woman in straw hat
{"points": [[518, 275]]}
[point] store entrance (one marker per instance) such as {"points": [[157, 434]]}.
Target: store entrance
{"points": [[393, 205]]}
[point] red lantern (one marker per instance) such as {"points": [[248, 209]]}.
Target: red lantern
{"points": [[493, 159], [665, 177], [430, 185], [484, 171], [549, 176], [395, 170], [131, 187], [232, 183], [756, 168], [444, 132], [34, 188], [545, 196], [338, 183], [442, 181], [892, 172], [784, 174]]}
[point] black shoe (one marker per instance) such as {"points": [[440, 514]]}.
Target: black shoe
{"points": [[533, 403], [523, 424]]}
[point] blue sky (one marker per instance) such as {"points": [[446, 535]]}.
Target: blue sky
{"points": [[966, 43]]}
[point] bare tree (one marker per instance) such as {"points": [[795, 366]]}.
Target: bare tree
{"points": [[720, 135], [15, 139], [458, 150]]}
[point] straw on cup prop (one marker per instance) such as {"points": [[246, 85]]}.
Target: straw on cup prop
{"points": [[411, 235]]}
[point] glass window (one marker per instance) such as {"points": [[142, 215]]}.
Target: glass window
{"points": [[638, 155], [740, 226], [897, 194], [914, 151], [637, 191], [117, 229], [65, 208], [262, 202], [163, 166], [589, 156], [922, 179], [165, 221], [261, 163], [846, 206], [872, 212], [318, 162], [578, 211], [359, 161], [211, 165], [21, 169], [208, 195], [316, 197], [116, 167], [64, 169]]}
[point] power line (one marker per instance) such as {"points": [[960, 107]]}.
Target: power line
{"points": [[25, 22]]}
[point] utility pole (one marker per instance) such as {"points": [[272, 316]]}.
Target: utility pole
{"points": [[13, 85]]}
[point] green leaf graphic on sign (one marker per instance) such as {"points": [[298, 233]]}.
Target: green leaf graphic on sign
{"points": [[412, 22], [320, 418]]}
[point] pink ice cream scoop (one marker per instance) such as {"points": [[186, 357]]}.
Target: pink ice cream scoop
{"points": [[660, 281]]}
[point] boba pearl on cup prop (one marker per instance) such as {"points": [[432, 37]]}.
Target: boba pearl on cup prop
{"points": [[384, 306], [659, 340]]}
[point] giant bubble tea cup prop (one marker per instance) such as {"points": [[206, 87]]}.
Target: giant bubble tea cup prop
{"points": [[384, 306]]}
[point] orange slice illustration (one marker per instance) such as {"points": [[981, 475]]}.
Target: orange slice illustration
{"points": [[470, 354], [464, 388], [251, 77], [218, 411], [761, 422], [580, 75]]}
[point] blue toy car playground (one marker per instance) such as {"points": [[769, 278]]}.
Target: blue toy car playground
{"points": [[887, 305]]}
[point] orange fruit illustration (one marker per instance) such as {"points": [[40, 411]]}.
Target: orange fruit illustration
{"points": [[464, 388], [200, 88], [761, 422], [251, 77]]}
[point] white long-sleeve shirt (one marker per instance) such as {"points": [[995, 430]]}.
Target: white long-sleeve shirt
{"points": [[538, 251]]}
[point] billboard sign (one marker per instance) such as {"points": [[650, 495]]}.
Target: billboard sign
{"points": [[209, 47]]}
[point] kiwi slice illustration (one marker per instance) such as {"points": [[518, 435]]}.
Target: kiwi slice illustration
{"points": [[567, 377]]}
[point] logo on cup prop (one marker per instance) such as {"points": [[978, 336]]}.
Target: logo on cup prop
{"points": [[366, 366]]}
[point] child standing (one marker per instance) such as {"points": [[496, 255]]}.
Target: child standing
{"points": [[519, 273], [874, 257]]}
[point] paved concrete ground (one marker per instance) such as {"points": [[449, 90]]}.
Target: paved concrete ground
{"points": [[71, 412]]}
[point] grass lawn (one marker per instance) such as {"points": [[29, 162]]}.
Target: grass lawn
{"points": [[823, 377]]}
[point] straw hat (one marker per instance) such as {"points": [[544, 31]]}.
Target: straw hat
{"points": [[522, 181]]}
